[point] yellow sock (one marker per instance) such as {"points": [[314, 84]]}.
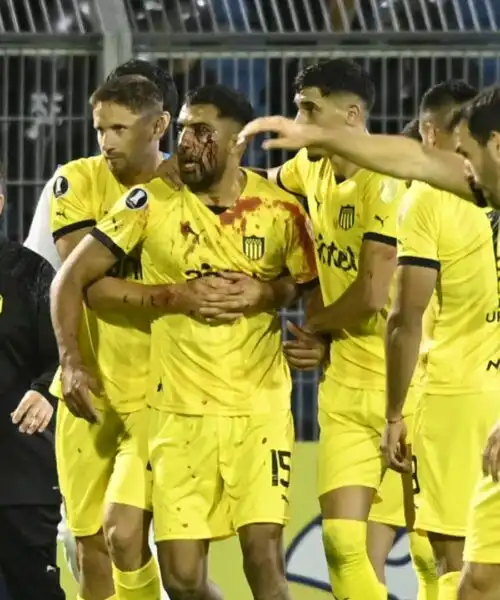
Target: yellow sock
{"points": [[351, 573], [448, 586], [424, 565], [143, 584]]}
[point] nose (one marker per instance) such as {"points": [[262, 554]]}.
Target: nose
{"points": [[107, 143]]}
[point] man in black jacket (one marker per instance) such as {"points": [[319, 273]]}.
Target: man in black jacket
{"points": [[29, 492]]}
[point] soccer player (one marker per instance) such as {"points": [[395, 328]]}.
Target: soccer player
{"points": [[479, 138], [353, 213], [442, 517], [221, 442], [102, 466], [40, 238]]}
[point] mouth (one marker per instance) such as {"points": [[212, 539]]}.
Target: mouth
{"points": [[189, 166]]}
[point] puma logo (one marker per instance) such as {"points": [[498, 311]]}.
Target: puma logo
{"points": [[380, 220]]}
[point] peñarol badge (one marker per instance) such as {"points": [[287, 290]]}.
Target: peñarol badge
{"points": [[253, 247], [136, 199], [61, 186], [346, 216]]}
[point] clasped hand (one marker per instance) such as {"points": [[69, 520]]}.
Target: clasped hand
{"points": [[226, 297]]}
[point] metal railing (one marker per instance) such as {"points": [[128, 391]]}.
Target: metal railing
{"points": [[53, 53]]}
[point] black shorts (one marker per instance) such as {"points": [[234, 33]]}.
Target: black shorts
{"points": [[28, 552]]}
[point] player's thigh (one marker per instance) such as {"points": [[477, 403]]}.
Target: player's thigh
{"points": [[448, 466], [187, 494], [256, 466], [349, 444], [85, 455], [482, 543], [131, 481]]}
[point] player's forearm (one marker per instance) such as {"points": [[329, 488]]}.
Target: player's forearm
{"points": [[113, 294], [398, 157], [402, 345], [350, 310], [66, 309]]}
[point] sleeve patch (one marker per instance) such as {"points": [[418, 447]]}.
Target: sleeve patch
{"points": [[61, 186], [136, 199], [389, 189]]}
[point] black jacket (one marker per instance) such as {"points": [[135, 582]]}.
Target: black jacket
{"points": [[28, 360]]}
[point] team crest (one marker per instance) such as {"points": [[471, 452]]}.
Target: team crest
{"points": [[136, 199], [253, 247], [61, 186], [346, 216]]}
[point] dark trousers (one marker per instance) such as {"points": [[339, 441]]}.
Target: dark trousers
{"points": [[28, 551]]}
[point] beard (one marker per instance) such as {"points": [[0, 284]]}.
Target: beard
{"points": [[199, 179]]}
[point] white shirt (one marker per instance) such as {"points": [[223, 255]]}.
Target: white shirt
{"points": [[40, 234]]}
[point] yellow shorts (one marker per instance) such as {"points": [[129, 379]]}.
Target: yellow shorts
{"points": [[482, 542], [100, 464], [350, 432], [450, 436], [214, 474]]}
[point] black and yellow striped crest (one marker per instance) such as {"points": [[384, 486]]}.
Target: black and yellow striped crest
{"points": [[253, 246], [346, 216]]}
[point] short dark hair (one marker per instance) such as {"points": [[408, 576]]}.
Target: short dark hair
{"points": [[229, 103], [483, 115], [411, 130], [447, 93], [337, 76], [161, 78], [135, 92]]}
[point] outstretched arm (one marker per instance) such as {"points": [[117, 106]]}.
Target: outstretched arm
{"points": [[392, 155]]}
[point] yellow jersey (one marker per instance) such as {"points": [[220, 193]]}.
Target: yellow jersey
{"points": [[439, 230], [227, 369], [115, 346], [344, 213]]}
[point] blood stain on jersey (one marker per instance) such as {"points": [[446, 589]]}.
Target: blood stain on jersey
{"points": [[61, 186], [303, 228], [136, 199], [238, 210]]}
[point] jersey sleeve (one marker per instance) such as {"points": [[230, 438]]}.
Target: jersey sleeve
{"points": [[40, 235], [300, 256], [418, 230], [291, 174], [124, 226], [71, 208], [382, 201]]}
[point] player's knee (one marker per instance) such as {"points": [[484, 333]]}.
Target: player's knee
{"points": [[344, 541], [126, 534], [93, 558], [476, 582], [263, 561], [182, 582]]}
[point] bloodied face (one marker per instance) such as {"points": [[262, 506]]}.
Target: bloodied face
{"points": [[205, 143]]}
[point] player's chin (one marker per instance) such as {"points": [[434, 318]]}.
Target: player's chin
{"points": [[314, 154]]}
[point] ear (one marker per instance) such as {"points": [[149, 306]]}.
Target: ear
{"points": [[236, 149], [2, 203], [353, 114], [162, 124], [494, 146]]}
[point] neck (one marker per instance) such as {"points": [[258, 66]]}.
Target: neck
{"points": [[342, 167], [226, 191], [144, 173]]}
